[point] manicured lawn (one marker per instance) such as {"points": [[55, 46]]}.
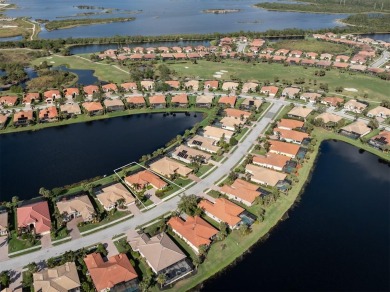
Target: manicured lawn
{"points": [[376, 88], [203, 169], [241, 134], [16, 244], [312, 46]]}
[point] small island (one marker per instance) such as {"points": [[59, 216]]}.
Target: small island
{"points": [[221, 11], [69, 23]]}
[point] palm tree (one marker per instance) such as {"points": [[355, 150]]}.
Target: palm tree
{"points": [[161, 279], [197, 261]]}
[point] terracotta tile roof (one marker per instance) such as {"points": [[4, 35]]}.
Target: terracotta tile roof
{"points": [[180, 98], [282, 52], [290, 124], [179, 56], [36, 213], [291, 134], [223, 209], [167, 167], [283, 147], [231, 100], [79, 204], [257, 42], [324, 63], [207, 99], [58, 279], [173, 83], [92, 106], [23, 114], [8, 100], [194, 229], [72, 91], [308, 62], [159, 251], [157, 99], [145, 177], [342, 58], [113, 193], [300, 112], [265, 175], [232, 112], [384, 135], [136, 56], [129, 85], [50, 93], [211, 84], [340, 65], [106, 274], [243, 190], [3, 118], [332, 100], [136, 99], [312, 55], [48, 113], [30, 96], [270, 89], [329, 117], [357, 127], [90, 89], [110, 87], [271, 159]]}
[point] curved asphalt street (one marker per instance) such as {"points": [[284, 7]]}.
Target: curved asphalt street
{"points": [[159, 210]]}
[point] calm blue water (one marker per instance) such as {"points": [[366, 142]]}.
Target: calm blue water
{"points": [[86, 77], [171, 17], [336, 239], [379, 36], [63, 155], [10, 39]]}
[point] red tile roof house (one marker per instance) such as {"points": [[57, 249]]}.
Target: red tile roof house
{"points": [[3, 120], [194, 231], [180, 100], [90, 90], [111, 273], [211, 84], [228, 101], [312, 55], [173, 84], [48, 115], [136, 101], [111, 87], [143, 179], [113, 105], [93, 108], [271, 160], [129, 86], [332, 101], [295, 53], [8, 100], [157, 101], [51, 95], [34, 217], [342, 58], [71, 92], [288, 124], [270, 91], [31, 97], [22, 118], [223, 211], [284, 148], [241, 191]]}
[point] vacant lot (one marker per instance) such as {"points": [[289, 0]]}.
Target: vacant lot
{"points": [[376, 88], [312, 46]]}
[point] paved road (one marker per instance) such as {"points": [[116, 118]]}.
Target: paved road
{"points": [[124, 227], [381, 60]]}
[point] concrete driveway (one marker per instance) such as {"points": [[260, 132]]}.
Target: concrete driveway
{"points": [[72, 227], [134, 209], [111, 248], [46, 241], [3, 248]]}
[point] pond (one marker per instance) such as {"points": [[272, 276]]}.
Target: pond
{"points": [[58, 156], [336, 239]]}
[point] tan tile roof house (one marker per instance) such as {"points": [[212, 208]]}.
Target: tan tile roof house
{"points": [[284, 148], [230, 86], [8, 100], [264, 176], [36, 215], [249, 87], [110, 196], [159, 251], [93, 107], [192, 85], [358, 128], [329, 118], [379, 111], [146, 84], [241, 191], [70, 109], [228, 100], [230, 123], [144, 178], [113, 105], [251, 102], [217, 133], [290, 92], [354, 106], [107, 274], [168, 167], [187, 154], [311, 97], [194, 231], [222, 211], [3, 223], [203, 143], [332, 101], [79, 206], [271, 160], [23, 117], [58, 279], [300, 112], [204, 100]]}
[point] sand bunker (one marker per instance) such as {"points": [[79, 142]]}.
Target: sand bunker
{"points": [[351, 89]]}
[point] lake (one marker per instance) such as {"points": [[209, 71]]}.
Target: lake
{"points": [[63, 155], [156, 17], [336, 239]]}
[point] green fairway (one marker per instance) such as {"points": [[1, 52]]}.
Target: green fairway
{"points": [[376, 88], [104, 72], [312, 46]]}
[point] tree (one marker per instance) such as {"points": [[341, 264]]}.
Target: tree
{"points": [[203, 250], [373, 124], [121, 202], [161, 279], [15, 200], [101, 249], [244, 229], [232, 176], [51, 262], [32, 267], [196, 262], [45, 192], [188, 204], [4, 279], [233, 141], [223, 231]]}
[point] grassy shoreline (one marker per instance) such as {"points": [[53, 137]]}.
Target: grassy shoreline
{"points": [[218, 261], [69, 23]]}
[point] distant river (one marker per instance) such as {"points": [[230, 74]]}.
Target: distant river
{"points": [[336, 239], [63, 155], [156, 17]]}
